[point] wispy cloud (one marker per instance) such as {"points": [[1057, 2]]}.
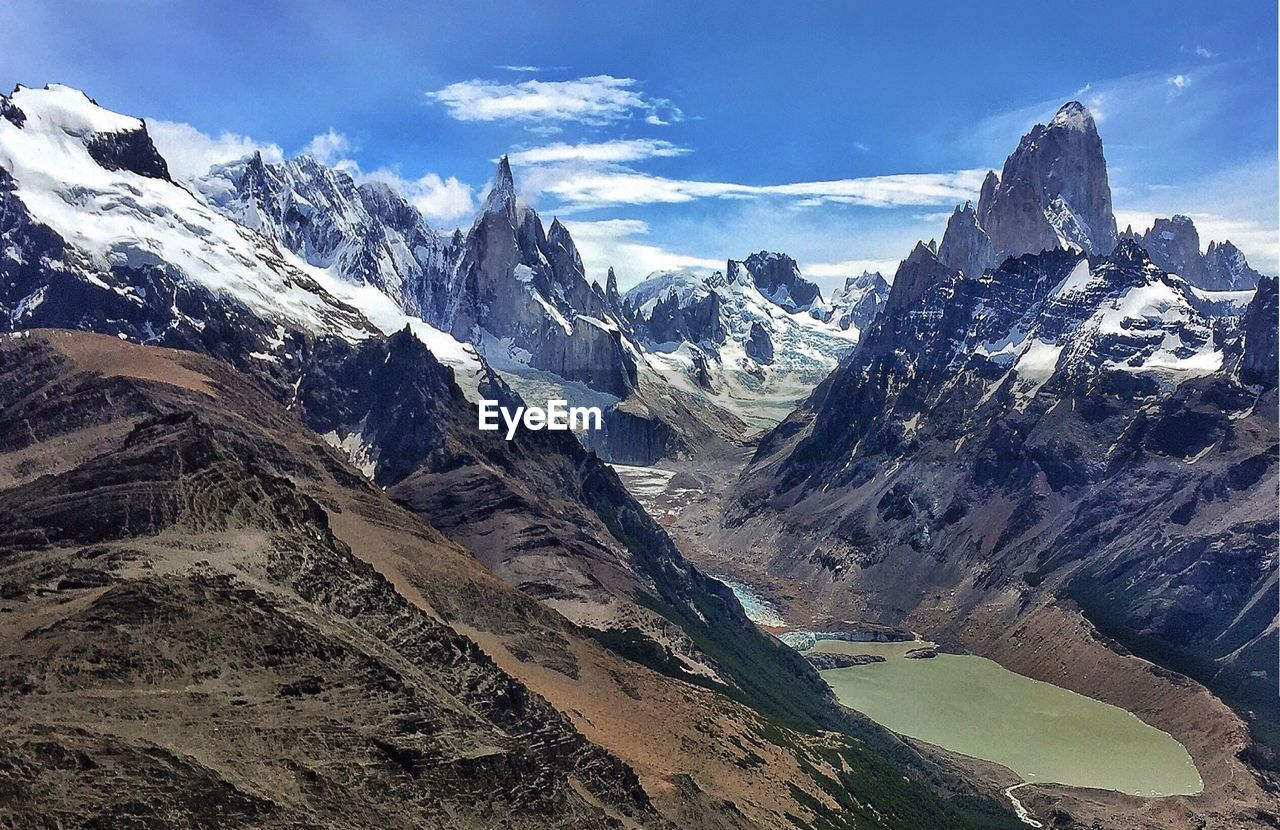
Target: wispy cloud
{"points": [[518, 68], [613, 242], [605, 152], [190, 153], [1178, 83], [585, 188], [596, 101], [1199, 51]]}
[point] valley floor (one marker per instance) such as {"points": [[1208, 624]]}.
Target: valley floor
{"points": [[1048, 642]]}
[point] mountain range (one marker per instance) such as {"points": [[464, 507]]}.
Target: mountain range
{"points": [[243, 500], [247, 506]]}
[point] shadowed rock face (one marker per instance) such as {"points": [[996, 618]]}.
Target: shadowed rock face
{"points": [[513, 280], [133, 151], [778, 278], [1258, 365], [1053, 189]]}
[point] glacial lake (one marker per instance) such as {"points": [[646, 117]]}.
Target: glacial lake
{"points": [[1043, 733]]}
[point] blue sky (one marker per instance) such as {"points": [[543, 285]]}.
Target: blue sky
{"points": [[671, 134]]}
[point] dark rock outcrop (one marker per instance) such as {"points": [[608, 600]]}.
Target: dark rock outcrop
{"points": [[778, 278], [1259, 326], [759, 347], [823, 661], [132, 151]]}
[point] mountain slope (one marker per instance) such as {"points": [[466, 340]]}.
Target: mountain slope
{"points": [[97, 236], [163, 568], [290, 636]]}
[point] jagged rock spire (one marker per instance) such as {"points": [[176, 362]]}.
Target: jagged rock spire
{"points": [[611, 294], [502, 194], [965, 246], [1053, 190]]}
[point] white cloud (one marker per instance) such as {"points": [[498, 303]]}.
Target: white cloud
{"points": [[585, 188], [850, 268], [1179, 83], [190, 153], [595, 100], [518, 67], [439, 200], [614, 152], [329, 147], [612, 242]]}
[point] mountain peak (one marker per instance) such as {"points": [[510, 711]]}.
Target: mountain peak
{"points": [[778, 278], [1074, 115], [1130, 251], [921, 253], [502, 194], [1053, 191], [965, 246]]}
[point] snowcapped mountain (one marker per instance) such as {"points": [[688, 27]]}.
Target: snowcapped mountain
{"points": [[258, 260], [365, 233], [778, 279], [97, 235], [1053, 190], [855, 304], [1052, 193], [509, 288], [752, 340]]}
